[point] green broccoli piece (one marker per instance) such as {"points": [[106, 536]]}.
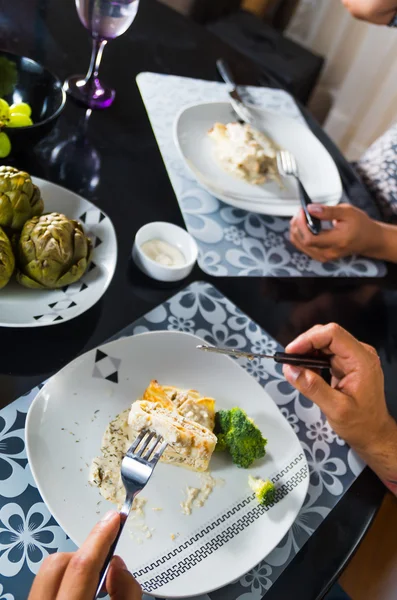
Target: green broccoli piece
{"points": [[239, 435], [265, 491], [221, 444]]}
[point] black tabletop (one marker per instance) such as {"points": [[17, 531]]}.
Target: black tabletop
{"points": [[120, 169]]}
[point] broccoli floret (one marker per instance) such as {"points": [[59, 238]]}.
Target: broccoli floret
{"points": [[265, 491], [239, 435], [221, 444]]}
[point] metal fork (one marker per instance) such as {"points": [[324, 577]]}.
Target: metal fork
{"points": [[136, 469], [287, 166]]}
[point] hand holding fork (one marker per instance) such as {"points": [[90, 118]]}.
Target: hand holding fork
{"points": [[75, 575]]}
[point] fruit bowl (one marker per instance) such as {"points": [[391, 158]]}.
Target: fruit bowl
{"points": [[24, 80]]}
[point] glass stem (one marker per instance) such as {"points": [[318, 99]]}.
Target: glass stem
{"points": [[98, 46]]}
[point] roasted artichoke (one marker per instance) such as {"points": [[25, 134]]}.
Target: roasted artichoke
{"points": [[20, 199], [7, 260], [53, 251]]}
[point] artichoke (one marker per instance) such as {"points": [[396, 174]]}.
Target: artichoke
{"points": [[53, 251], [7, 260], [20, 199]]}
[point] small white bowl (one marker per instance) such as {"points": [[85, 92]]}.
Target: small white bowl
{"points": [[172, 234]]}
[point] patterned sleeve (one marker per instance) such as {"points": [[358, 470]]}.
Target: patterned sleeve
{"points": [[378, 169]]}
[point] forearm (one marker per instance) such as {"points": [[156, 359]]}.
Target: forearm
{"points": [[374, 11], [383, 244], [381, 456]]}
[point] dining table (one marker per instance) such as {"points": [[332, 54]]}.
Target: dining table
{"points": [[119, 168]]}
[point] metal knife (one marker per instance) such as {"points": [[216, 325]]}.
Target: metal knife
{"points": [[299, 360], [235, 99]]}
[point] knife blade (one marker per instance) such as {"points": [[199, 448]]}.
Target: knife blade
{"points": [[234, 96], [298, 360], [227, 76]]}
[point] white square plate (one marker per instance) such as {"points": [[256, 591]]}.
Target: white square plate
{"points": [[217, 543], [317, 169]]}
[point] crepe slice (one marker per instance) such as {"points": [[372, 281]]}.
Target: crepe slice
{"points": [[156, 393], [191, 405], [189, 444]]}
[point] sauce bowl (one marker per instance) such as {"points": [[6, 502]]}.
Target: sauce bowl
{"points": [[172, 234]]}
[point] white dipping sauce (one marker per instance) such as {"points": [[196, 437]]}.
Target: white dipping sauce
{"points": [[163, 253]]}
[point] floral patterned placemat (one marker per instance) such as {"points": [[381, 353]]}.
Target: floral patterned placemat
{"points": [[28, 532], [233, 242]]}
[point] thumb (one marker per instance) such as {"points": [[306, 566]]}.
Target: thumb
{"points": [[313, 386], [328, 213], [120, 584]]}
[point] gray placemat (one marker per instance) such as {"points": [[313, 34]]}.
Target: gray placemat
{"points": [[28, 532], [233, 242]]}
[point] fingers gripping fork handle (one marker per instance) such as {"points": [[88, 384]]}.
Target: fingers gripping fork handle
{"points": [[136, 469]]}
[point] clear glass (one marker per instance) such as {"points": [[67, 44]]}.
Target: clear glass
{"points": [[105, 20], [75, 162]]}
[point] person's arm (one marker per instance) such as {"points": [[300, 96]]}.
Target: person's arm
{"points": [[355, 403], [385, 246], [353, 232], [379, 12], [381, 457]]}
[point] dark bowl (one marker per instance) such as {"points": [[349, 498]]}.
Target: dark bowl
{"points": [[24, 80]]}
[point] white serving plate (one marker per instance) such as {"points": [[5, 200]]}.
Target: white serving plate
{"points": [[22, 307], [217, 543], [317, 169]]}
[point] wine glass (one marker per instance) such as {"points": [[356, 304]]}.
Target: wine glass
{"points": [[75, 161], [105, 20]]}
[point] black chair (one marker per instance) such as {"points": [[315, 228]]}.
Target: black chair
{"points": [[205, 11], [283, 60]]}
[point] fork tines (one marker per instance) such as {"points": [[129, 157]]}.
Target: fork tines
{"points": [[148, 446], [286, 162]]}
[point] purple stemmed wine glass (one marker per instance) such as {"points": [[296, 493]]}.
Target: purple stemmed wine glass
{"points": [[105, 20]]}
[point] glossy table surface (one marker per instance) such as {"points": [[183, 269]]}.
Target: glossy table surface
{"points": [[118, 166]]}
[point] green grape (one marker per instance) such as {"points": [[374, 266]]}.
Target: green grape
{"points": [[19, 120], [5, 145], [22, 108], [4, 110]]}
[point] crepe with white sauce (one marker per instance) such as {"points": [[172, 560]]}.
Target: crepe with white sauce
{"points": [[245, 152], [184, 418]]}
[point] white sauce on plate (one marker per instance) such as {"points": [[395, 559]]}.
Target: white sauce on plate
{"points": [[163, 253]]}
